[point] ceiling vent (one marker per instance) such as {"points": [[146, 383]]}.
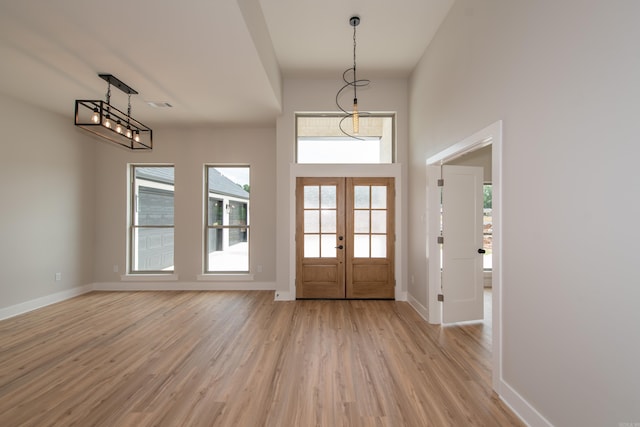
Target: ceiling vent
{"points": [[159, 104]]}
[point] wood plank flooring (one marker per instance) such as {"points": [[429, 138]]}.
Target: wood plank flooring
{"points": [[241, 359]]}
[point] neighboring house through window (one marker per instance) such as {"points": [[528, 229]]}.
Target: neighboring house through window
{"points": [[151, 236], [227, 224]]}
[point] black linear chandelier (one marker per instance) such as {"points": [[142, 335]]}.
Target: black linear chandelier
{"points": [[351, 80], [103, 119]]}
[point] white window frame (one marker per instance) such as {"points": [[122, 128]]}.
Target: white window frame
{"points": [[225, 227], [339, 135], [132, 221]]}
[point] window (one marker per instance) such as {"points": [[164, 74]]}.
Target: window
{"points": [[319, 140], [152, 223], [227, 219], [487, 228]]}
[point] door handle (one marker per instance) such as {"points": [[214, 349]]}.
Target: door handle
{"points": [[481, 251], [340, 247]]}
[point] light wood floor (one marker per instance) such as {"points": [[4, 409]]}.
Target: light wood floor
{"points": [[241, 359]]}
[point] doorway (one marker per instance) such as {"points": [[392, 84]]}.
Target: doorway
{"points": [[345, 238], [491, 135]]}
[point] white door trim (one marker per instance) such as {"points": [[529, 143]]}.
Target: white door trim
{"points": [[491, 135], [392, 170]]}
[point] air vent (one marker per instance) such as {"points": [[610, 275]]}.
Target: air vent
{"points": [[159, 104]]}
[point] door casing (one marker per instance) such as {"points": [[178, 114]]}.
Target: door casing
{"points": [[491, 135]]}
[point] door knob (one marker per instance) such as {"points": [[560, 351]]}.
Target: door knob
{"points": [[481, 251], [340, 247]]}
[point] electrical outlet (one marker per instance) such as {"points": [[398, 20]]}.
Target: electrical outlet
{"points": [[58, 277], [116, 268], [259, 269]]}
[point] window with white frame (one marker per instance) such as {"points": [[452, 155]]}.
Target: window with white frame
{"points": [[227, 219], [320, 140], [151, 228]]}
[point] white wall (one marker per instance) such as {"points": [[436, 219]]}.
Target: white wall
{"points": [[318, 95], [563, 77], [47, 211], [189, 150]]}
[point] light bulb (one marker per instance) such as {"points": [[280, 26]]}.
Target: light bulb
{"points": [[118, 127], [356, 117], [128, 131], [137, 137], [107, 121], [95, 117]]}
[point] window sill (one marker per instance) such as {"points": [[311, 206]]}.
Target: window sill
{"points": [[242, 277], [149, 277]]}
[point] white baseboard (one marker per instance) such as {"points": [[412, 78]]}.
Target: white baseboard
{"points": [[418, 307], [401, 295], [284, 296], [184, 286], [521, 407], [508, 395], [34, 304]]}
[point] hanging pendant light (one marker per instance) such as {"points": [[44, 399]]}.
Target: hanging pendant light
{"points": [[106, 121], [351, 80]]}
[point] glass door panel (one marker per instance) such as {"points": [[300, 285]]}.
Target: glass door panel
{"points": [[370, 221]]}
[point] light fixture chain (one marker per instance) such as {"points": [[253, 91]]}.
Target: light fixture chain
{"points": [[355, 79], [352, 81], [108, 93]]}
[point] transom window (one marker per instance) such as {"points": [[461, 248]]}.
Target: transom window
{"points": [[320, 140]]}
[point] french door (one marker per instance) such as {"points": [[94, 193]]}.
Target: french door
{"points": [[345, 238]]}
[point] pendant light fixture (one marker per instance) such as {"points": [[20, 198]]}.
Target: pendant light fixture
{"points": [[103, 119], [351, 80]]}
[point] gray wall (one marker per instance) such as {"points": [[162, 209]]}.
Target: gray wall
{"points": [[562, 75], [47, 216], [189, 149]]}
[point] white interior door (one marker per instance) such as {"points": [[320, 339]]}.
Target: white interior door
{"points": [[462, 281]]}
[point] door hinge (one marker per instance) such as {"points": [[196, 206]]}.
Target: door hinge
{"points": [[441, 183], [440, 239], [440, 297]]}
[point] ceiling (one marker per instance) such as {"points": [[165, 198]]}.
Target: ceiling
{"points": [[217, 62]]}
